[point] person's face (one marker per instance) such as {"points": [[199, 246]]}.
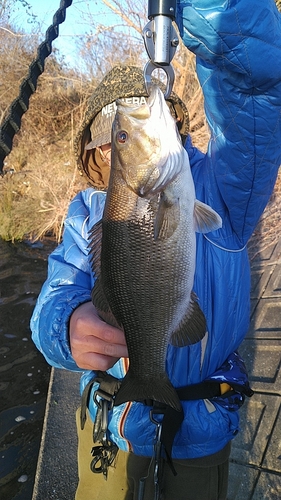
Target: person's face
{"points": [[105, 152]]}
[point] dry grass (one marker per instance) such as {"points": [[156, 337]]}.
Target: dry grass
{"points": [[35, 199], [40, 173], [55, 193], [41, 176], [199, 129]]}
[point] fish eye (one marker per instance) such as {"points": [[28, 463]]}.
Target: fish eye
{"points": [[122, 136]]}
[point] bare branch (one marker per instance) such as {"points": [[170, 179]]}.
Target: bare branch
{"points": [[118, 9]]}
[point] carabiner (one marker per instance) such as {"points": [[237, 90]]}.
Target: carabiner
{"points": [[104, 405]]}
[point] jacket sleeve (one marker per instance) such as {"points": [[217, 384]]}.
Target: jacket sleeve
{"points": [[68, 284], [238, 52]]}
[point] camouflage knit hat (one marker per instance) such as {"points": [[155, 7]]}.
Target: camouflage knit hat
{"points": [[121, 82]]}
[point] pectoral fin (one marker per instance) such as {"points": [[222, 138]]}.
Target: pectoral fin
{"points": [[205, 218], [167, 217], [192, 328]]}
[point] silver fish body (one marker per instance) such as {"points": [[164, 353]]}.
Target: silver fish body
{"points": [[145, 267]]}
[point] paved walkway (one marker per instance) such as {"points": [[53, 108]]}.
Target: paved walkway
{"points": [[255, 472], [255, 469]]}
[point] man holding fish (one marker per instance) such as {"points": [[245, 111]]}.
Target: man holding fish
{"points": [[151, 283]]}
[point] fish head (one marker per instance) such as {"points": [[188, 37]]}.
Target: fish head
{"points": [[146, 144]]}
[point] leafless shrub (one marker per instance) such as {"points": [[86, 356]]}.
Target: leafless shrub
{"points": [[41, 175]]}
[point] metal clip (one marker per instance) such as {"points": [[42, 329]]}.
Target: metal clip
{"points": [[160, 40], [104, 404], [103, 455]]}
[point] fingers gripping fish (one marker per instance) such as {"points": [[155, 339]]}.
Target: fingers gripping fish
{"points": [[143, 250]]}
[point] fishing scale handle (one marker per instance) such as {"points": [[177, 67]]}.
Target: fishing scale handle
{"points": [[162, 8], [162, 13]]}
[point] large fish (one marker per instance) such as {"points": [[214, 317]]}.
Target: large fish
{"points": [[145, 266]]}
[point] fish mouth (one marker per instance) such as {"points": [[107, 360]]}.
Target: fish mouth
{"points": [[142, 111], [155, 92]]}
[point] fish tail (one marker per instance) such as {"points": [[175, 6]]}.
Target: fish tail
{"points": [[135, 389]]}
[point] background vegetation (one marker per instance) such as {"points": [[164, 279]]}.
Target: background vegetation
{"points": [[40, 175]]}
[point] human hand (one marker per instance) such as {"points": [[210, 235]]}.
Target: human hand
{"points": [[94, 344]]}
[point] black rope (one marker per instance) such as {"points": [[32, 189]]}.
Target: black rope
{"points": [[19, 106]]}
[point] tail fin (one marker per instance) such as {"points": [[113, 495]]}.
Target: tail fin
{"points": [[157, 389]]}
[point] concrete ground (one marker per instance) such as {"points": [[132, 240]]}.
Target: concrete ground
{"points": [[255, 472], [255, 469]]}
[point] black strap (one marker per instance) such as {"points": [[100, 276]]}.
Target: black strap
{"points": [[172, 419], [171, 423], [85, 403], [209, 390], [203, 390], [20, 105]]}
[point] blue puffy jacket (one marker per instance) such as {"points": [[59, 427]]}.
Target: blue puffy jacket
{"points": [[238, 48]]}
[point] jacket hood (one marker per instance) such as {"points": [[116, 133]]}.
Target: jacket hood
{"points": [[120, 82]]}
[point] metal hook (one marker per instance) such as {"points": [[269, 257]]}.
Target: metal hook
{"points": [[148, 70]]}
